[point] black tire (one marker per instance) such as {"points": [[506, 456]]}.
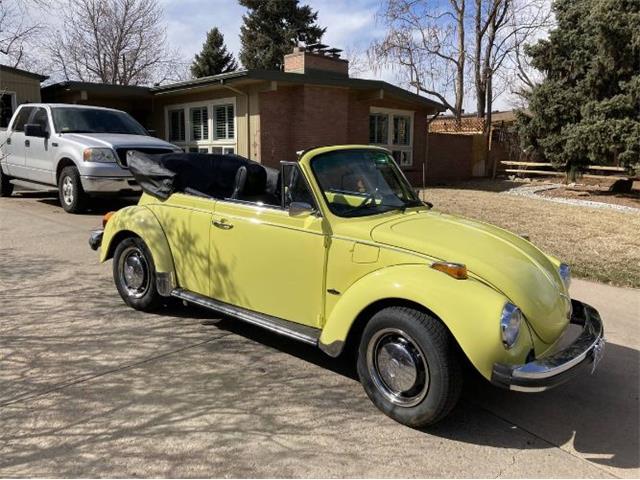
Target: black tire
{"points": [[420, 361], [134, 274], [70, 192], [6, 187]]}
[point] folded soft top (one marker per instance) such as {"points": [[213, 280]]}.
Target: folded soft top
{"points": [[212, 174]]}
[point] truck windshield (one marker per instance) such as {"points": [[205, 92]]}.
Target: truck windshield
{"points": [[360, 182], [94, 120]]}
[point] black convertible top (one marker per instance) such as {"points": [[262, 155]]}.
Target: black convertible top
{"points": [[211, 174]]}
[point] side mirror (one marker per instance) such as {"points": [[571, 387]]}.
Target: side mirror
{"points": [[34, 130], [300, 208]]}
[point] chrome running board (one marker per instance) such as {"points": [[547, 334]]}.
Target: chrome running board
{"points": [[302, 333]]}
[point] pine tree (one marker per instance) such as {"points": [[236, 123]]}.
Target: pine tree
{"points": [[272, 28], [587, 110], [214, 57]]}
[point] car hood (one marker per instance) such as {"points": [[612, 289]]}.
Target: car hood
{"points": [[117, 140], [506, 261]]}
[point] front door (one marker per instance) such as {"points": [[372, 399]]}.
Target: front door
{"points": [[268, 261], [39, 160], [186, 222]]}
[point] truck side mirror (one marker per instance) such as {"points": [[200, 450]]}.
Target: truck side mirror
{"points": [[35, 130]]}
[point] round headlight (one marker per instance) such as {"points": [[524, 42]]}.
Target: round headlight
{"points": [[565, 274], [510, 321]]}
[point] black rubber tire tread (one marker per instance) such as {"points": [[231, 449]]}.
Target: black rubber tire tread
{"points": [[80, 198], [443, 357], [6, 187], [151, 300]]}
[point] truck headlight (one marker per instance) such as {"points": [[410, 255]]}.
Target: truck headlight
{"points": [[101, 155], [510, 322], [565, 274]]}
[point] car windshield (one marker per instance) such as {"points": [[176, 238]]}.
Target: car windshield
{"points": [[360, 182], [94, 120]]}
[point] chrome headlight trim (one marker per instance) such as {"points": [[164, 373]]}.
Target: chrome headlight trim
{"points": [[99, 155], [510, 323], [565, 273]]}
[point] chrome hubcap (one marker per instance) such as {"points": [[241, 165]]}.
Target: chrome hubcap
{"points": [[67, 190], [398, 367], [134, 272]]}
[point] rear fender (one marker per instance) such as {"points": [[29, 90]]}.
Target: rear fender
{"points": [[468, 308], [140, 221]]}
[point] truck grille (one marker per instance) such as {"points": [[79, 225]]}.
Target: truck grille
{"points": [[122, 153]]}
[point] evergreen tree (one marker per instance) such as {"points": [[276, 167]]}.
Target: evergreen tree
{"points": [[587, 110], [272, 28], [214, 57]]}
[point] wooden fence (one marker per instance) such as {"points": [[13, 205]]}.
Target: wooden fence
{"points": [[544, 168]]}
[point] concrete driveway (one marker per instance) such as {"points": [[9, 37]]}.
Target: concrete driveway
{"points": [[89, 387]]}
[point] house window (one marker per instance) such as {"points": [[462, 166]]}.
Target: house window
{"points": [[224, 122], [199, 123], [176, 125], [211, 126], [392, 129]]}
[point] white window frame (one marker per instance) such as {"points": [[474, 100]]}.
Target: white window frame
{"points": [[391, 113], [208, 144]]}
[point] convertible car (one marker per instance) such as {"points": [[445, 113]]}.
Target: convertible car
{"points": [[337, 250]]}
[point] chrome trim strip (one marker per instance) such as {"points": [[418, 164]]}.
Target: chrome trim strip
{"points": [[302, 333], [165, 283]]}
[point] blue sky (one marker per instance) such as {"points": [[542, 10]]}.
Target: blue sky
{"points": [[350, 24]]}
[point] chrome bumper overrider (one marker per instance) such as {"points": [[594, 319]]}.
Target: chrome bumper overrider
{"points": [[584, 353], [95, 239]]}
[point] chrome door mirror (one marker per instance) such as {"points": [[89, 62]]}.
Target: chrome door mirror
{"points": [[297, 209]]}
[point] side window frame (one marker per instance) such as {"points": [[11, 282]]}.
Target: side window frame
{"points": [[47, 127], [18, 116], [284, 185]]}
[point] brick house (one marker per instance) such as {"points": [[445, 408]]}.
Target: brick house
{"points": [[269, 115]]}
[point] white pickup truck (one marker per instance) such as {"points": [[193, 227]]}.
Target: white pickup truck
{"points": [[81, 150]]}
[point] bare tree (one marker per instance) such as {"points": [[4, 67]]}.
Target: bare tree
{"points": [[17, 30], [425, 43], [114, 41]]}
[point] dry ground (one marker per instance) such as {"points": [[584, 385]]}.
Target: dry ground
{"points": [[599, 244]]}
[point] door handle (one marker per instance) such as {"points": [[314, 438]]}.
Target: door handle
{"points": [[27, 143], [222, 224], [9, 141]]}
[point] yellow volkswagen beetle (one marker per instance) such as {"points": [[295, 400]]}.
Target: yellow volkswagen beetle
{"points": [[337, 249]]}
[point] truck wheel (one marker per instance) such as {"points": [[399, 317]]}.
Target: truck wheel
{"points": [[6, 187], [135, 275], [72, 196], [409, 366]]}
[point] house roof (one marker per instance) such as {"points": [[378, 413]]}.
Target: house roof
{"points": [[98, 88], [314, 78], [19, 71]]}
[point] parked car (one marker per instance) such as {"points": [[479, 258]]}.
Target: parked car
{"points": [[79, 149], [336, 250]]}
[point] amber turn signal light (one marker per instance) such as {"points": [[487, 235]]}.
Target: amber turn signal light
{"points": [[455, 270], [106, 217]]}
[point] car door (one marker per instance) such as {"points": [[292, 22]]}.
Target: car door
{"points": [[266, 260], [38, 150], [186, 222], [15, 148]]}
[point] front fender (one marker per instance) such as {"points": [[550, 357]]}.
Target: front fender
{"points": [[140, 221], [469, 308]]}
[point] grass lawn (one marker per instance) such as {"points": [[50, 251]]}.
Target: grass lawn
{"points": [[599, 244]]}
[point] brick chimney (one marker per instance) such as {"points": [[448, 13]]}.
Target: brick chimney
{"points": [[316, 58]]}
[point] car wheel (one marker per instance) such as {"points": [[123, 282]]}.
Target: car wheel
{"points": [[72, 196], [409, 366], [6, 187], [135, 275]]}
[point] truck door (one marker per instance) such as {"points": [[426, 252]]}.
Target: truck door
{"points": [[38, 150], [14, 147]]}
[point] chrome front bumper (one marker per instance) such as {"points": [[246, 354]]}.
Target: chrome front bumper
{"points": [[93, 184], [539, 375], [95, 239]]}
